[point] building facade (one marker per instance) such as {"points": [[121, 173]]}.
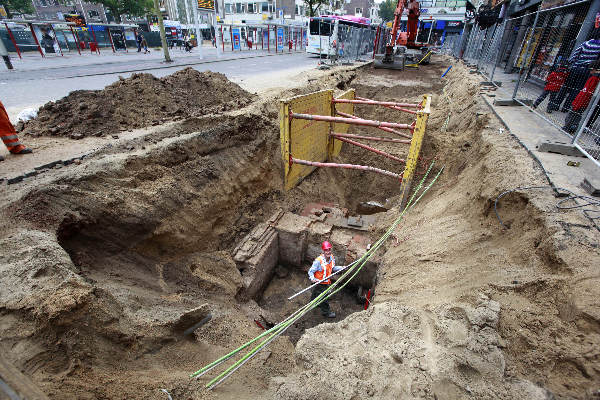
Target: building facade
{"points": [[257, 12], [359, 8], [53, 10]]}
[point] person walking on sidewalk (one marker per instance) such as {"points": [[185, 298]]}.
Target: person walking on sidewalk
{"points": [[554, 83], [321, 269], [579, 66], [139, 40], [582, 101], [9, 135]]}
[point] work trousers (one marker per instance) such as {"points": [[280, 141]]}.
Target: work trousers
{"points": [[552, 106], [572, 86], [8, 133], [317, 290], [572, 121]]}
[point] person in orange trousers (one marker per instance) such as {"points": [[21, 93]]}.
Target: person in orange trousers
{"points": [[9, 135]]}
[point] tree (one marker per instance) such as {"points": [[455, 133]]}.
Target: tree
{"points": [[131, 7], [20, 6], [313, 6], [386, 10]]}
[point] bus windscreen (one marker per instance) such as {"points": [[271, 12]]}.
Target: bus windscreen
{"points": [[321, 27]]}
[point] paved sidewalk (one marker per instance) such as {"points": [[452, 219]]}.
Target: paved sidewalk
{"points": [[530, 129], [54, 66]]}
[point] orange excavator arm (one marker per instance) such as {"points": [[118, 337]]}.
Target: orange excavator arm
{"points": [[397, 15]]}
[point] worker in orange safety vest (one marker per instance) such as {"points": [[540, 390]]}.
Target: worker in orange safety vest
{"points": [[321, 268], [9, 135]]}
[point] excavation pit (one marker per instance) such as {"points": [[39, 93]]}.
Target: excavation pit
{"points": [[275, 256]]}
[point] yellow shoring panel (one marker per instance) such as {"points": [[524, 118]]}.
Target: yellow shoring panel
{"points": [[304, 139], [347, 108], [415, 149]]}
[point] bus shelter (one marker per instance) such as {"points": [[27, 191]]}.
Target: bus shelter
{"points": [[47, 37], [117, 37], [271, 37]]}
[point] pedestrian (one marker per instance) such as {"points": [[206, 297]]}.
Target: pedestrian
{"points": [[579, 70], [582, 101], [9, 135], [145, 45], [321, 269], [187, 43], [554, 83], [139, 40]]}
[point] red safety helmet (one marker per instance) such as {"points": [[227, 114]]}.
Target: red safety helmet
{"points": [[326, 245]]}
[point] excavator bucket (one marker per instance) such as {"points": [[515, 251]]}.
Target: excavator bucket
{"points": [[398, 63]]}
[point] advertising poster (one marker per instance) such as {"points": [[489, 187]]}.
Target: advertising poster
{"points": [[75, 18], [235, 33], [280, 39]]}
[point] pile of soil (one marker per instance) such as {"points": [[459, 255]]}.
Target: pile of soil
{"points": [[139, 101]]}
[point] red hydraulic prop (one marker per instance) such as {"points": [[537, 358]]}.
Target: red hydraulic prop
{"points": [[376, 103], [346, 166], [351, 121], [392, 107], [374, 138], [369, 148], [379, 127]]}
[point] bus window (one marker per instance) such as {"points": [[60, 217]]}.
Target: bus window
{"points": [[325, 29]]}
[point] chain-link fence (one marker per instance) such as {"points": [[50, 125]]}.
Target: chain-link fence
{"points": [[354, 43], [550, 62], [452, 45], [343, 43]]}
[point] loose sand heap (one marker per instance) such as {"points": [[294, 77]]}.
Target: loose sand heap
{"points": [[105, 264], [136, 102]]}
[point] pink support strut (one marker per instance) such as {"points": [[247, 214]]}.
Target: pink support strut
{"points": [[351, 121], [392, 107], [369, 148], [383, 129], [376, 139], [346, 166], [376, 103]]}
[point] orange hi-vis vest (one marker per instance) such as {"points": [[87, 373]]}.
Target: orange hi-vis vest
{"points": [[8, 133], [326, 269]]}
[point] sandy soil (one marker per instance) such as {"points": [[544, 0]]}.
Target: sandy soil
{"points": [[111, 256]]}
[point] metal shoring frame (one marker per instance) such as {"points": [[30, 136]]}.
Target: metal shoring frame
{"points": [[351, 121], [373, 138], [12, 38], [376, 103], [382, 128], [345, 166], [36, 40], [368, 148]]}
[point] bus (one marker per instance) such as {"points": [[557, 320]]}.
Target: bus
{"points": [[323, 32]]}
